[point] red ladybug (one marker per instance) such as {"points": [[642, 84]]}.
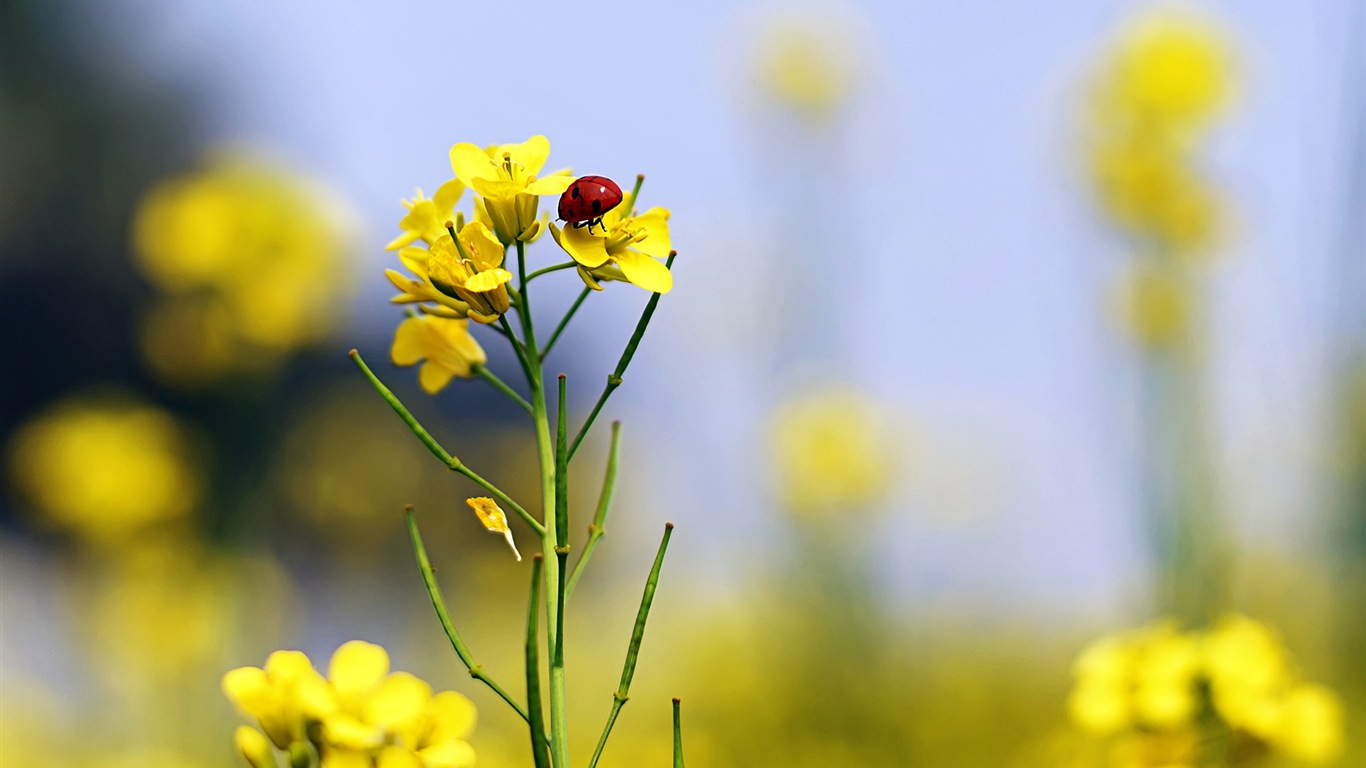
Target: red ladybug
{"points": [[587, 199]]}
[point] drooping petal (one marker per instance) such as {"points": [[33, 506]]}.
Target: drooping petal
{"points": [[488, 280], [433, 377], [400, 698], [656, 242], [645, 271], [588, 250], [409, 342], [470, 163], [415, 259], [549, 185], [357, 666]]}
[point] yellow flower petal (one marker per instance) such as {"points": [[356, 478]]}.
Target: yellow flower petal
{"points": [[531, 153], [470, 163], [248, 688], [645, 271], [487, 281], [588, 250], [349, 732], [494, 519], [656, 242], [398, 757], [409, 342], [288, 666], [400, 698], [406, 238], [345, 758], [481, 246], [448, 194], [453, 717], [357, 668], [433, 377], [254, 747], [450, 754], [549, 185]]}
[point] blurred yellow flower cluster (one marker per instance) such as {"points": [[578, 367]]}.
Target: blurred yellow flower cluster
{"points": [[1165, 695], [456, 265], [106, 468], [252, 261], [360, 716], [834, 453], [1167, 77]]}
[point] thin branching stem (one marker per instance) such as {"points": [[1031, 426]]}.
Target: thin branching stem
{"points": [[597, 530], [564, 321], [484, 373], [536, 722]]}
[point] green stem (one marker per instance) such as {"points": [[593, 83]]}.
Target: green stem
{"points": [[517, 347], [614, 379], [434, 592], [548, 270], [678, 734], [451, 462], [597, 530], [536, 721], [498, 384], [564, 321], [620, 696]]}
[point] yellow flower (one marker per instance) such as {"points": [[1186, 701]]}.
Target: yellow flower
{"points": [[625, 247], [284, 696], [811, 64], [1310, 726], [834, 453], [427, 219], [263, 250], [392, 716], [494, 518], [106, 469], [505, 177], [464, 276], [1170, 70], [1100, 700], [444, 343]]}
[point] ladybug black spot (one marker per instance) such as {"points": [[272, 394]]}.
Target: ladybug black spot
{"points": [[574, 193], [597, 206]]}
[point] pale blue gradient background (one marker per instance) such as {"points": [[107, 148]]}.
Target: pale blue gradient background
{"points": [[959, 218]]}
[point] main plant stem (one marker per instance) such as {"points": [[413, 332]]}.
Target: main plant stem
{"points": [[545, 448]]}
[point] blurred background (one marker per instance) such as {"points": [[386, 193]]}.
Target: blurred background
{"points": [[995, 330]]}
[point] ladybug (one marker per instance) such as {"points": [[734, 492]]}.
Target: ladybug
{"points": [[587, 199]]}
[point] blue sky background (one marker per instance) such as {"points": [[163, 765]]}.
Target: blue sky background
{"points": [[965, 263]]}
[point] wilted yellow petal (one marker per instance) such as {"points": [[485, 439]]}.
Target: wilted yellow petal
{"points": [[494, 519]]}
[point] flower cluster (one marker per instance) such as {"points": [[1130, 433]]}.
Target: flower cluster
{"points": [[1168, 694], [1167, 77], [456, 263], [359, 716], [232, 247]]}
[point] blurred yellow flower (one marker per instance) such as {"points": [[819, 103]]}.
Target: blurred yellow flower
{"points": [[106, 469], [626, 247], [834, 452], [494, 518], [810, 64], [505, 176], [254, 748], [264, 247], [1154, 303], [283, 697], [444, 344], [1159, 685], [364, 714], [427, 219]]}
